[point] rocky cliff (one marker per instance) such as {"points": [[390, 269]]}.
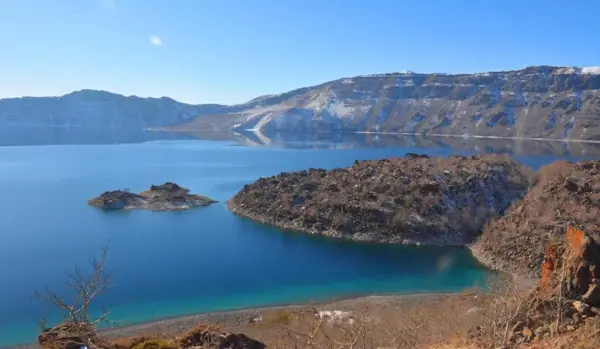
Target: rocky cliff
{"points": [[165, 197], [538, 102], [535, 102], [411, 200]]}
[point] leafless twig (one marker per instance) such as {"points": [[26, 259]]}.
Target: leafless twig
{"points": [[86, 289]]}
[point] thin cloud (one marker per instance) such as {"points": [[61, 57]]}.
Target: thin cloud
{"points": [[156, 40], [108, 4]]}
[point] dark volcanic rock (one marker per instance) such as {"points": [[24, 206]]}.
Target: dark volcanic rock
{"points": [[414, 199], [565, 194], [165, 197]]}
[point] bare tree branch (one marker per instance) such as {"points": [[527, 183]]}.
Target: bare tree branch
{"points": [[86, 289]]}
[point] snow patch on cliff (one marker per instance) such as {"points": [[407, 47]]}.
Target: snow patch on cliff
{"points": [[577, 70], [567, 70], [590, 70]]}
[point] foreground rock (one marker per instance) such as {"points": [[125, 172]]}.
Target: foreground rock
{"points": [[411, 200], [165, 197], [567, 296], [565, 194], [78, 336], [72, 336], [210, 336]]}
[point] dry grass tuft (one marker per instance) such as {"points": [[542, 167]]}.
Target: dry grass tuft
{"points": [[130, 342], [156, 344]]}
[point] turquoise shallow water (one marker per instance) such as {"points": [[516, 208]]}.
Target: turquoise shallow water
{"points": [[177, 263]]}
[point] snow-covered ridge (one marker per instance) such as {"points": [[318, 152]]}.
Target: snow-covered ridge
{"points": [[590, 70], [550, 69], [578, 70]]}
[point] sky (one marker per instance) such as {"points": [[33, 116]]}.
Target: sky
{"points": [[230, 51]]}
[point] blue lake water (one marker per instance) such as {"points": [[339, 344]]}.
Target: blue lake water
{"points": [[177, 263]]}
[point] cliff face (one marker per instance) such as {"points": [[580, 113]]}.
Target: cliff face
{"points": [[538, 102], [413, 200], [542, 101]]}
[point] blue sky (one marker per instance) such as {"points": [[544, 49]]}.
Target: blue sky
{"points": [[229, 51]]}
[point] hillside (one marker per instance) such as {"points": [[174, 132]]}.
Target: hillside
{"points": [[535, 102], [97, 109], [542, 101], [409, 200], [565, 194]]}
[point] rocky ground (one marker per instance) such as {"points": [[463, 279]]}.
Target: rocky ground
{"points": [[411, 200], [166, 197], [259, 322], [566, 299], [565, 194]]}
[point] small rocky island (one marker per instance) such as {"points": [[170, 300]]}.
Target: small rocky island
{"points": [[165, 197], [410, 200]]}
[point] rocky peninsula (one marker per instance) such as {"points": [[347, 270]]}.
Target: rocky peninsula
{"points": [[411, 200], [166, 197]]}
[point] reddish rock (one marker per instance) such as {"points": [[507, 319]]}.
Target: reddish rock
{"points": [[575, 261]]}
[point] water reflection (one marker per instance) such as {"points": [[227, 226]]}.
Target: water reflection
{"points": [[13, 136], [362, 140], [341, 140]]}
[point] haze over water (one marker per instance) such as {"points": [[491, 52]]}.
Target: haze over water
{"points": [[177, 263]]}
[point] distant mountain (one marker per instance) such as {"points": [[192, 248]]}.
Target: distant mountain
{"points": [[541, 101], [535, 102], [98, 109]]}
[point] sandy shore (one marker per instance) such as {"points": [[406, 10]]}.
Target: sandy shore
{"points": [[236, 320]]}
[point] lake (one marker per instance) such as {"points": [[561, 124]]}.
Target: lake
{"points": [[206, 259]]}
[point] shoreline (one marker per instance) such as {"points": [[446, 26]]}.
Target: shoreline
{"points": [[333, 234], [232, 319], [564, 140], [464, 136]]}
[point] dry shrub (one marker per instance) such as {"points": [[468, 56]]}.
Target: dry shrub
{"points": [[156, 344], [473, 319], [412, 323], [201, 335], [588, 336], [281, 317], [130, 342], [504, 306]]}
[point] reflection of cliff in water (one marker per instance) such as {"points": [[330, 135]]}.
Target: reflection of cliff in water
{"points": [[361, 140], [73, 135], [338, 140]]}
